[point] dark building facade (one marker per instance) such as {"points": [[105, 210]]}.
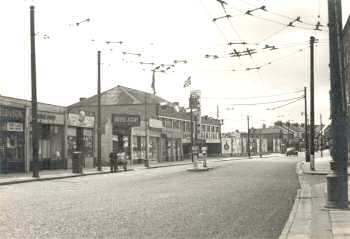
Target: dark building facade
{"points": [[58, 133], [166, 124]]}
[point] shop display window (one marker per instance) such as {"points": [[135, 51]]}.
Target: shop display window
{"points": [[11, 139]]}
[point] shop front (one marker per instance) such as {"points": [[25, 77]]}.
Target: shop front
{"points": [[80, 137], [12, 139], [123, 140], [171, 145], [139, 141], [51, 140]]}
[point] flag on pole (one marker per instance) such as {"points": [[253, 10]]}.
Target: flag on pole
{"points": [[187, 82], [153, 86]]}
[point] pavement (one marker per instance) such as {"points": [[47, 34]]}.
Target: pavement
{"points": [[309, 217], [44, 175]]}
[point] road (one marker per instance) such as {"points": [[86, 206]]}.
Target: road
{"points": [[236, 199]]}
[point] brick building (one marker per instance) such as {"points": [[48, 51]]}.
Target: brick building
{"points": [[169, 125]]}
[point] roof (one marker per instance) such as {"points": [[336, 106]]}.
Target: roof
{"points": [[121, 95], [22, 103], [269, 130]]}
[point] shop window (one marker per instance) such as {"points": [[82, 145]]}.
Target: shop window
{"points": [[44, 131]]}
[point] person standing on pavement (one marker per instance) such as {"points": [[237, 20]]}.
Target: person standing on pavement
{"points": [[113, 161]]}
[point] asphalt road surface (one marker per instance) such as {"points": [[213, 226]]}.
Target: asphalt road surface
{"points": [[236, 199]]}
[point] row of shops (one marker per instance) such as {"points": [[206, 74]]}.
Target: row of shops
{"points": [[58, 134], [64, 130]]}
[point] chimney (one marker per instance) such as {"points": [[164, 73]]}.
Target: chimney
{"points": [[264, 126], [82, 98]]}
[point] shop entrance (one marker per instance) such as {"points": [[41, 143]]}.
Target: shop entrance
{"points": [[11, 139]]}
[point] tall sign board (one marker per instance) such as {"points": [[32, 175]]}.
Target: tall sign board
{"points": [[195, 101]]}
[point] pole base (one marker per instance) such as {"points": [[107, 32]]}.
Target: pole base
{"points": [[337, 194]]}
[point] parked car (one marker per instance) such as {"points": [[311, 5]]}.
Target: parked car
{"points": [[291, 151]]}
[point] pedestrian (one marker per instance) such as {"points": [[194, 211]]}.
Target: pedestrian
{"points": [[113, 162]]}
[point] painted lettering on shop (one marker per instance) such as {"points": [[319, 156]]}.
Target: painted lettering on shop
{"points": [[126, 120]]}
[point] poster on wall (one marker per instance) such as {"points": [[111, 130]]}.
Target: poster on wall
{"points": [[81, 120]]}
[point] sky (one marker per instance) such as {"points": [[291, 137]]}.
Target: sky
{"points": [[163, 31]]}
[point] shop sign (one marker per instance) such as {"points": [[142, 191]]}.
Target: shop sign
{"points": [[125, 120], [154, 123], [50, 118], [14, 127], [81, 120], [195, 148], [11, 113], [121, 131]]}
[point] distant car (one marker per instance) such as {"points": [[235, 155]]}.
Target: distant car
{"points": [[291, 151]]}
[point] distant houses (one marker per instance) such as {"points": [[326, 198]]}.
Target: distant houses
{"points": [[273, 139]]}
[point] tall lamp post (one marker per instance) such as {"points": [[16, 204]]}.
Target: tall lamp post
{"points": [[99, 168], [35, 133]]}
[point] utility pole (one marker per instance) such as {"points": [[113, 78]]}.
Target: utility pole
{"points": [[35, 133], [288, 136], [260, 149], [99, 111], [337, 180], [321, 138], [248, 141], [312, 105], [306, 135], [191, 127], [146, 133]]}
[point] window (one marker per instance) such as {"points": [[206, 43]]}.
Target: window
{"points": [[168, 123], [183, 126], [188, 126], [208, 128]]}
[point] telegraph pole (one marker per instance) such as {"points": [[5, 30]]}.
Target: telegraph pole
{"points": [[288, 138], [306, 135], [99, 111], [191, 127], [248, 142], [312, 105], [321, 138], [146, 133], [35, 133], [260, 149], [337, 181]]}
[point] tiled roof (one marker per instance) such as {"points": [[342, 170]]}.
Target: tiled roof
{"points": [[121, 95]]}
